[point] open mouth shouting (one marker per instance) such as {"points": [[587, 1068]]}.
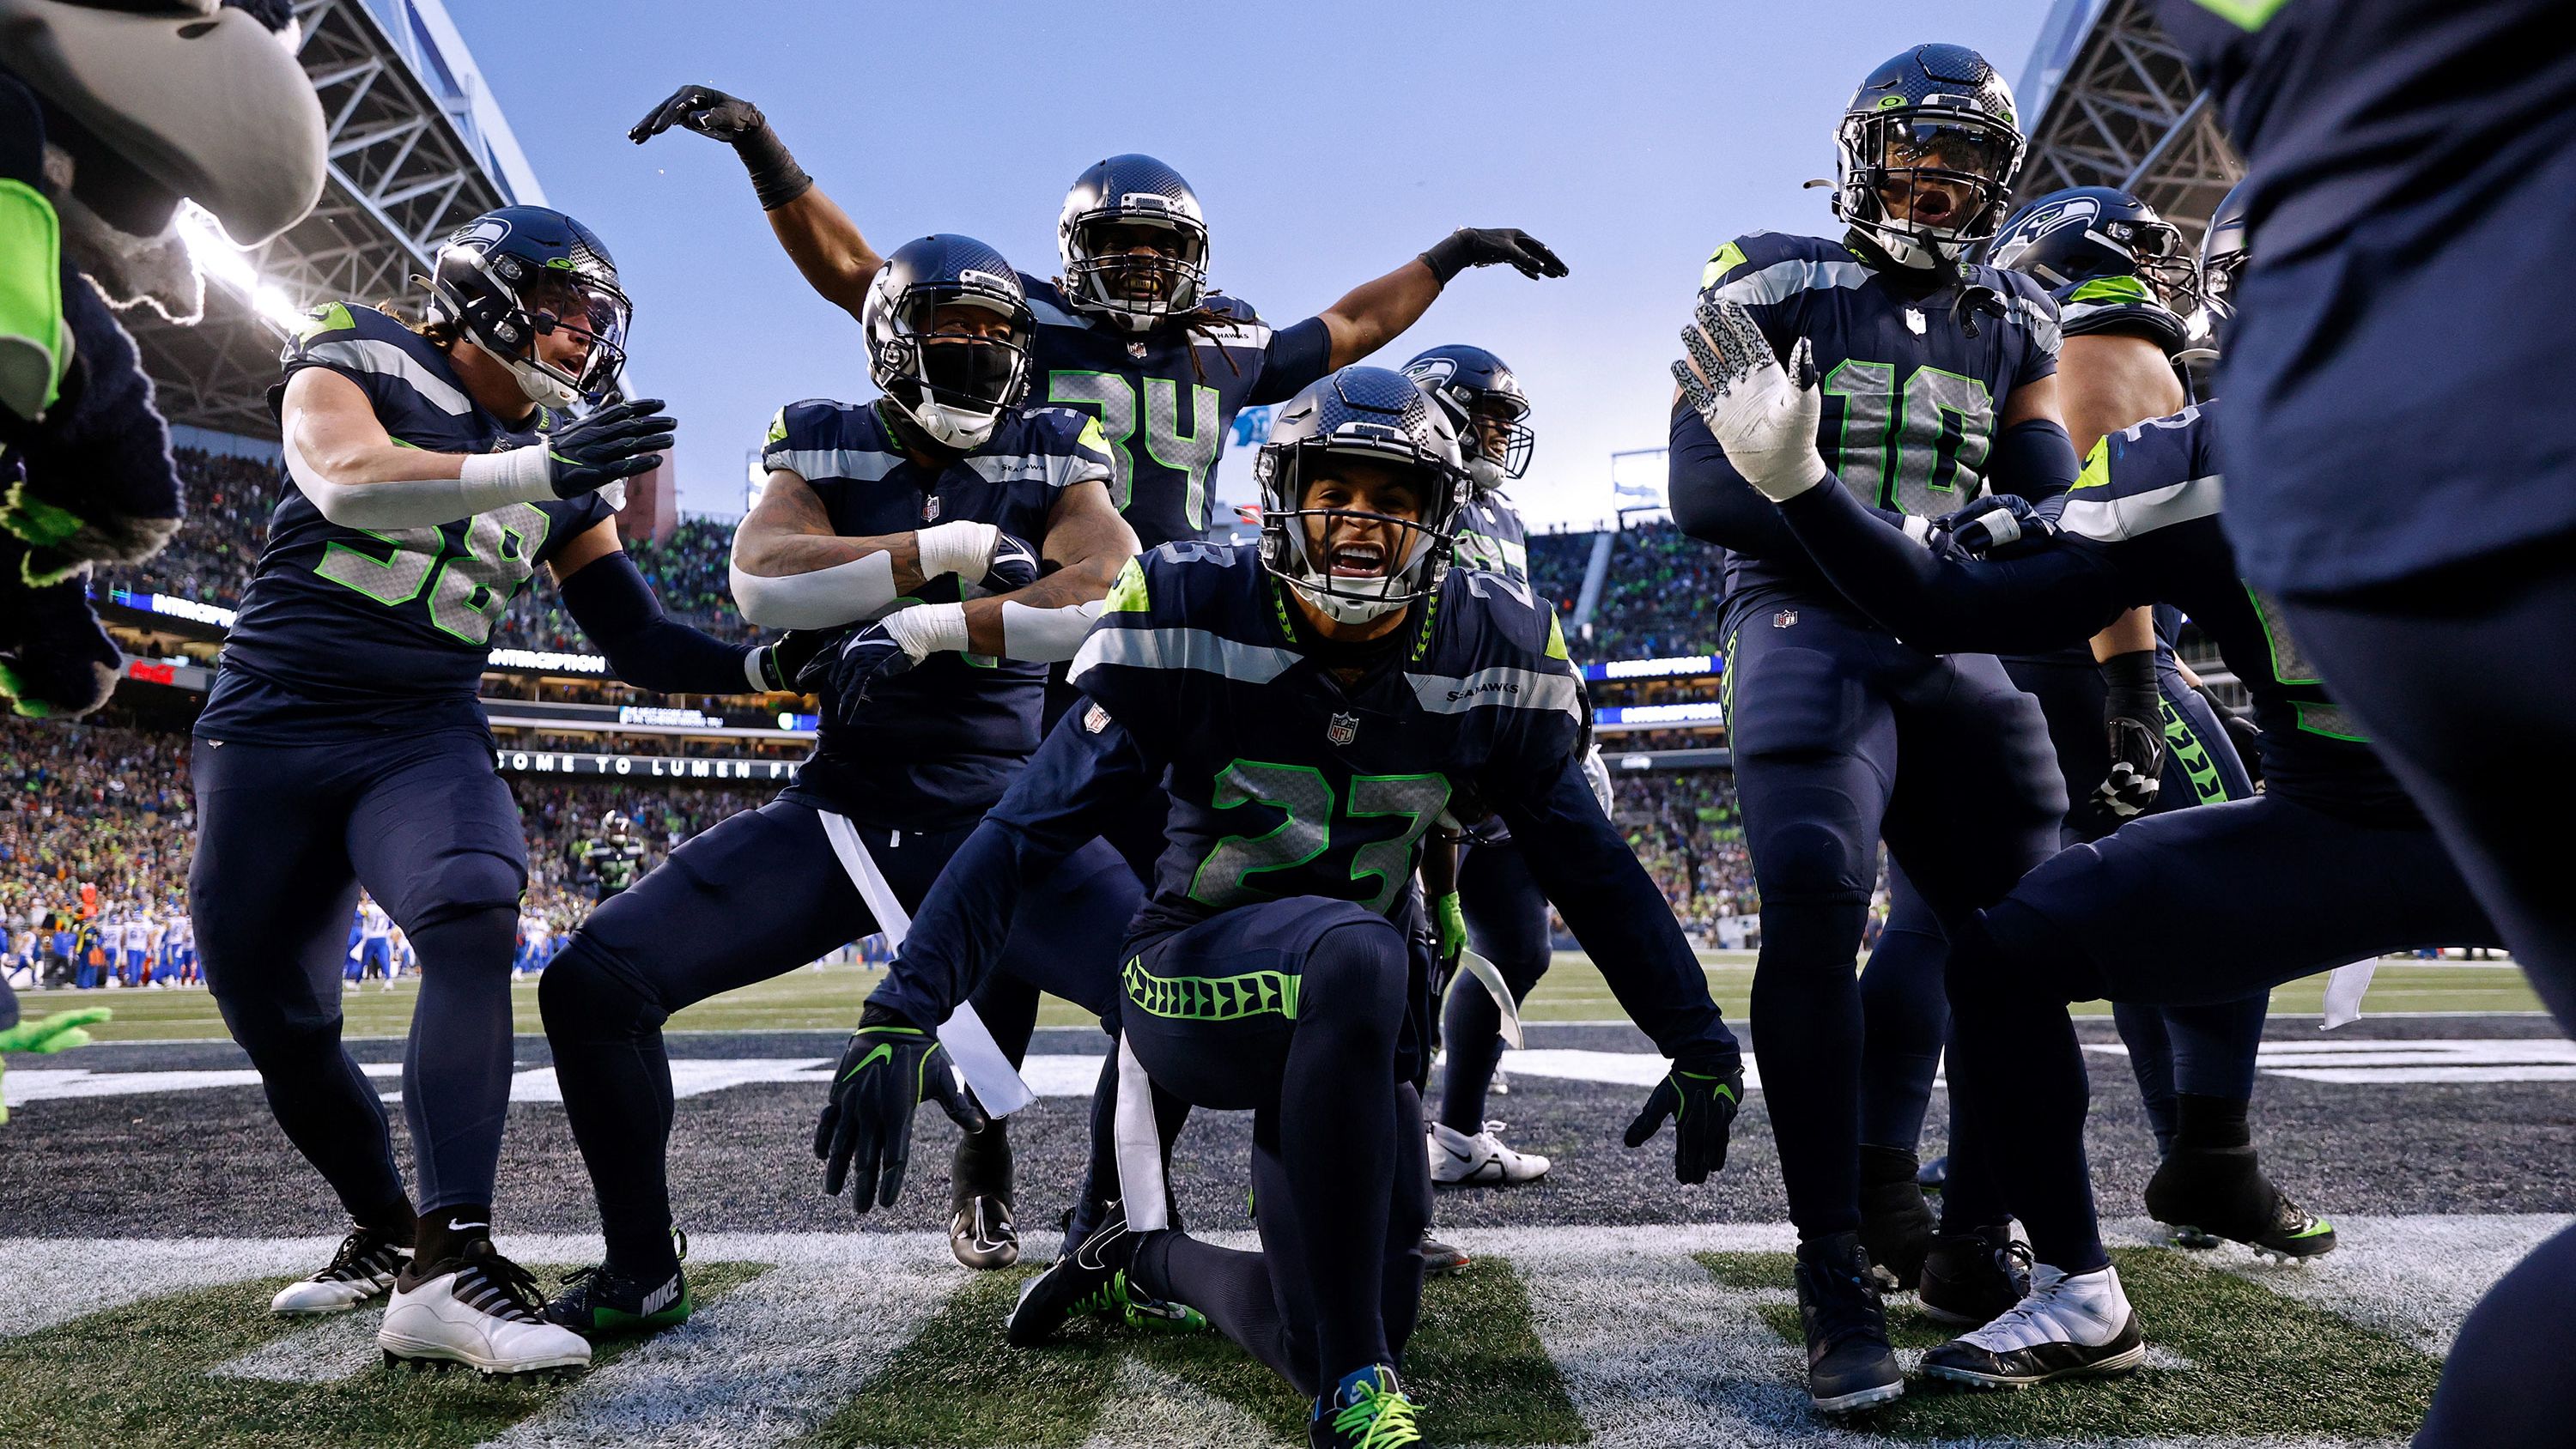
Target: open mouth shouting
{"points": [[1358, 560]]}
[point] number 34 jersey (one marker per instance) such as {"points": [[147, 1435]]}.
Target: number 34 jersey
{"points": [[1914, 377], [351, 631], [1285, 779]]}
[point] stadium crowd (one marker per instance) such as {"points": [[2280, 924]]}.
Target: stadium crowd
{"points": [[1660, 597]]}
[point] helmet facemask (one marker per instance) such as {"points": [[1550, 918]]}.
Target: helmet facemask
{"points": [[1308, 492], [1496, 440], [1108, 273], [506, 306], [954, 383], [1955, 162]]}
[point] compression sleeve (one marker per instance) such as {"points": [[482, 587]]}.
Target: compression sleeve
{"points": [[1946, 601], [821, 599], [1059, 801], [2035, 459], [1043, 636], [491, 480], [1614, 910], [646, 648]]}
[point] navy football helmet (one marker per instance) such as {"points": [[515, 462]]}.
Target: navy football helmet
{"points": [[1486, 405], [954, 385], [1379, 415], [1939, 114], [1115, 208], [2086, 232], [511, 276]]}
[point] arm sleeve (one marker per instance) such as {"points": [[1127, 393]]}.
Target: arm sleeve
{"points": [[645, 647], [1615, 911], [825, 598], [1056, 804], [1947, 602], [1295, 358], [2035, 459]]}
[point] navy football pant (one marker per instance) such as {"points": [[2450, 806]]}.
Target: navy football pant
{"points": [[285, 836], [757, 896], [1293, 1010], [1905, 1017], [1819, 706], [1506, 924], [2279, 890], [2463, 680]]}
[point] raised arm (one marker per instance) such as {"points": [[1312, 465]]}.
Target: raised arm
{"points": [[818, 236], [1375, 313]]}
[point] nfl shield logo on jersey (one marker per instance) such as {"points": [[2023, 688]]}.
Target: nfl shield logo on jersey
{"points": [[1784, 619], [1343, 729], [930, 509]]}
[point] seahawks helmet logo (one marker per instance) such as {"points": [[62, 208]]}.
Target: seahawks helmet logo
{"points": [[484, 234], [2075, 211]]}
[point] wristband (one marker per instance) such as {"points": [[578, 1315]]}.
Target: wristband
{"points": [[514, 475], [926, 629], [961, 548], [1447, 257], [775, 177], [2129, 684]]}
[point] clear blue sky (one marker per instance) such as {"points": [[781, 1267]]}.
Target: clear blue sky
{"points": [[1330, 141]]}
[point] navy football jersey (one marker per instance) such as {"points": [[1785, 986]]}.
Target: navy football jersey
{"points": [[1492, 537], [1913, 376], [1166, 399], [2403, 117], [940, 740], [360, 631], [2151, 495], [1287, 781]]}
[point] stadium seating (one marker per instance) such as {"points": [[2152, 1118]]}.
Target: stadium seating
{"points": [[1659, 599]]}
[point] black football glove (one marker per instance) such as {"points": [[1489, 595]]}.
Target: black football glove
{"points": [[842, 675], [1482, 247], [2242, 731], [2133, 720], [889, 1068], [618, 441], [775, 176], [1701, 1095], [1999, 526], [782, 660]]}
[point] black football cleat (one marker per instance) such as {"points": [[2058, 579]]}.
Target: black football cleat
{"points": [[1849, 1364], [1091, 1279], [604, 1301], [1969, 1278], [2221, 1192], [1896, 1224]]}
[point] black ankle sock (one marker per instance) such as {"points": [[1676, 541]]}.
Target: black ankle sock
{"points": [[394, 1220], [447, 1232], [2210, 1122]]}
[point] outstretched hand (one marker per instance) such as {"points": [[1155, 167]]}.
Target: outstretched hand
{"points": [[1763, 414], [888, 1069], [1701, 1097], [703, 109]]}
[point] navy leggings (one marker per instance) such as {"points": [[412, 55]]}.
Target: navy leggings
{"points": [[285, 836], [1507, 924]]}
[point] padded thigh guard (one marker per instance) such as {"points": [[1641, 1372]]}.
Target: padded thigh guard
{"points": [[1815, 752]]}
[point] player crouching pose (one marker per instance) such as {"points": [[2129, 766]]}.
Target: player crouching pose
{"points": [[929, 710], [1310, 705]]}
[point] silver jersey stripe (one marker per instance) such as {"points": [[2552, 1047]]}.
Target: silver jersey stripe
{"points": [[2109, 520], [1780, 281], [866, 465], [2040, 320], [1182, 649], [1501, 687], [366, 354]]}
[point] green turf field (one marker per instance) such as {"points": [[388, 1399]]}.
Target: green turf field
{"points": [[829, 999]]}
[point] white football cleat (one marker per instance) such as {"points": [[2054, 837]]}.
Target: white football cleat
{"points": [[1458, 1160], [2068, 1327], [481, 1310], [364, 1267]]}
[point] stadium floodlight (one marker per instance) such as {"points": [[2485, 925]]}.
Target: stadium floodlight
{"points": [[217, 257]]}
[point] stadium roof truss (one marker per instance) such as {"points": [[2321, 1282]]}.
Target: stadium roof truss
{"points": [[407, 166], [2117, 107]]}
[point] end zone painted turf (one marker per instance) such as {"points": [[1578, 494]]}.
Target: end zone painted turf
{"points": [[1652, 1337]]}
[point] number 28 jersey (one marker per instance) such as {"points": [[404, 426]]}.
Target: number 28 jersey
{"points": [[350, 632], [1284, 779], [1913, 377]]}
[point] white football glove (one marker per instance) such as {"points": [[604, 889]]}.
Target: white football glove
{"points": [[1759, 413]]}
